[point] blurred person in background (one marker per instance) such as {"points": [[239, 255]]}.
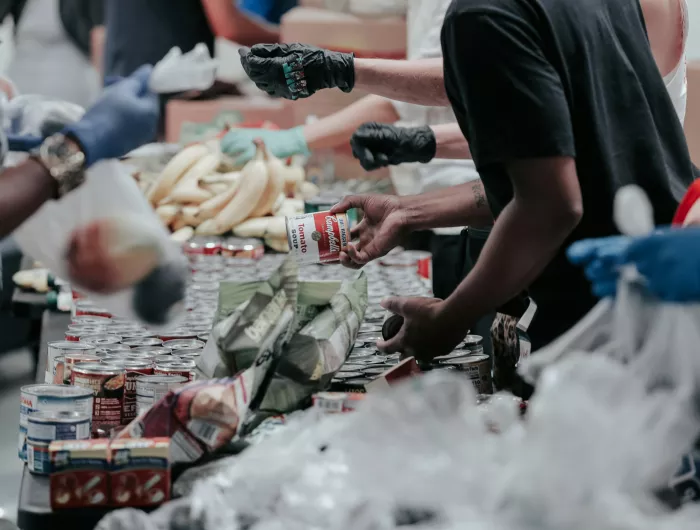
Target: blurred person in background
{"points": [[52, 48], [142, 31]]}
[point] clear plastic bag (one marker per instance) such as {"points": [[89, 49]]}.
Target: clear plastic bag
{"points": [[109, 192], [195, 70]]}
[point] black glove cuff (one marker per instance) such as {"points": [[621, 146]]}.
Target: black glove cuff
{"points": [[341, 70], [425, 144]]}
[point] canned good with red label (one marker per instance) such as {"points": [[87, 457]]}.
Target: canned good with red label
{"points": [[180, 347], [134, 369], [181, 367], [101, 340], [234, 247], [107, 384], [203, 246], [150, 342], [317, 237]]}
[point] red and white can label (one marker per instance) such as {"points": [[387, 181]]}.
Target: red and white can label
{"points": [[318, 237]]}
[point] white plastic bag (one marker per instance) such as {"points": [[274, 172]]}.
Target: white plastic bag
{"points": [[195, 70], [108, 192]]}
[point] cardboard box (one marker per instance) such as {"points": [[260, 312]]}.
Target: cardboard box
{"points": [[380, 37], [140, 472], [185, 118], [79, 474]]}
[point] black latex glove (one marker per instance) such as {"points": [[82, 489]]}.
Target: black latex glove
{"points": [[377, 145], [294, 71]]}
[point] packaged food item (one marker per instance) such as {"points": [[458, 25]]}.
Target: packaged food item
{"points": [[49, 398], [135, 368], [75, 331], [113, 348], [90, 309], [101, 340], [181, 367], [60, 349], [317, 237], [184, 346], [203, 246], [145, 342], [107, 384], [234, 247], [38, 462], [336, 402], [151, 388], [79, 474], [477, 368], [62, 373], [90, 320], [140, 472]]}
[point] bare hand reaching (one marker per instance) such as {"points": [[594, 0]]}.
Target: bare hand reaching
{"points": [[381, 229]]}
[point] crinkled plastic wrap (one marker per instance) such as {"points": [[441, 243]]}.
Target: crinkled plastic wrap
{"points": [[201, 418], [601, 437], [328, 317], [109, 193]]}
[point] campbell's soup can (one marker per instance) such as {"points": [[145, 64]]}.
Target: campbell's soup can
{"points": [[323, 203], [203, 246], [181, 367], [107, 383], [101, 340], [61, 349], [89, 320], [318, 237], [75, 331], [69, 361], [135, 368], [236, 247], [87, 308]]}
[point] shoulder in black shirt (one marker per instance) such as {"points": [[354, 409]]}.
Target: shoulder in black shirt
{"points": [[545, 78]]}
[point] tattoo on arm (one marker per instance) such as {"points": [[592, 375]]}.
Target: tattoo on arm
{"points": [[479, 196]]}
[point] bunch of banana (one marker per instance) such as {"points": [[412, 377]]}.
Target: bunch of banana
{"points": [[194, 195]]}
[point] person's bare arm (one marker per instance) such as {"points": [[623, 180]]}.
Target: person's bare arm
{"points": [[546, 208], [450, 142], [664, 23], [337, 129], [419, 81], [23, 190], [462, 205], [230, 22]]}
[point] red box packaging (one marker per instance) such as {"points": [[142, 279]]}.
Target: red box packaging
{"points": [[404, 370], [79, 474], [140, 472]]}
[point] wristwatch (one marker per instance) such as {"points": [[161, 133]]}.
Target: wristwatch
{"points": [[64, 160]]}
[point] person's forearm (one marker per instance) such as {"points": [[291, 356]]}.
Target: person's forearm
{"points": [[419, 81], [522, 243], [337, 129], [23, 190], [463, 205], [450, 142], [229, 22]]}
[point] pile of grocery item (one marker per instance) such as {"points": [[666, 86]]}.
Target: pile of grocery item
{"points": [[200, 191]]}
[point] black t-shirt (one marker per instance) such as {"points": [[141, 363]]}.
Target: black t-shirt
{"points": [[142, 31], [544, 78]]}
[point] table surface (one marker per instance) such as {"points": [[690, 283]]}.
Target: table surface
{"points": [[34, 512]]}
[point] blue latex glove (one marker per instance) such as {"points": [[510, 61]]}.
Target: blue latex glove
{"points": [[238, 143], [123, 119], [668, 259], [23, 144]]}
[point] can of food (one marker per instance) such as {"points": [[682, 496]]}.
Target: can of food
{"points": [[87, 308], [473, 344], [168, 358], [61, 349], [101, 340], [202, 246], [113, 348], [75, 331], [151, 342], [139, 356], [88, 320], [362, 353], [317, 237], [181, 367], [47, 426], [156, 350], [58, 370], [49, 398], [181, 347], [176, 334], [107, 384], [204, 337], [134, 369], [369, 339], [135, 335], [235, 247], [151, 388], [477, 368], [70, 360], [344, 376], [38, 461], [323, 203], [366, 327]]}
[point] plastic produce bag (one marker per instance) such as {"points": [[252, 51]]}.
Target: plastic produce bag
{"points": [[36, 115], [109, 193], [195, 70], [328, 317]]}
